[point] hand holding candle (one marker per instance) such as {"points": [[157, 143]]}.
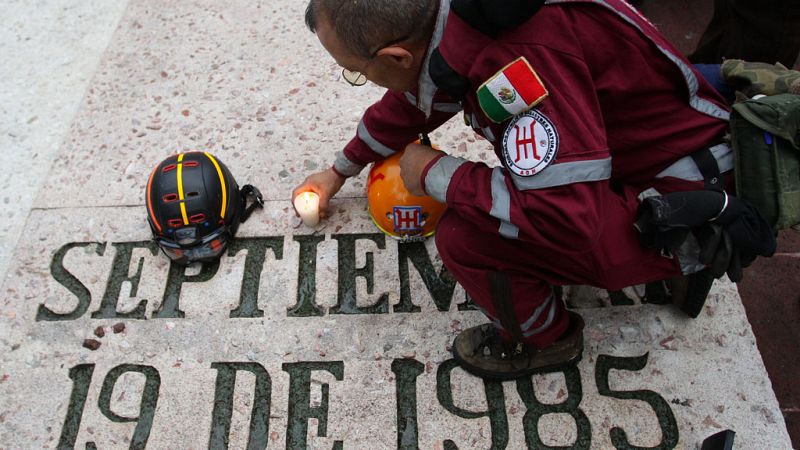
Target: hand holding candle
{"points": [[307, 206]]}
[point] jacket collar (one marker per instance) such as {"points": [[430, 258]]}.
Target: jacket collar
{"points": [[426, 88], [461, 43]]}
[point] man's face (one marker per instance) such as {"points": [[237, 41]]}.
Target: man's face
{"points": [[382, 69]]}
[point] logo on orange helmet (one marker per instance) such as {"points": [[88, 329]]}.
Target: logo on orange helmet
{"points": [[394, 210]]}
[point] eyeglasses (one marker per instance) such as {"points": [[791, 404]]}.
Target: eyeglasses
{"points": [[353, 77], [357, 78]]}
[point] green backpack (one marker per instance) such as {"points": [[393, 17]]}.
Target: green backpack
{"points": [[765, 136]]}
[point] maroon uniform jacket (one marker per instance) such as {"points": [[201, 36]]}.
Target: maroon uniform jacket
{"points": [[624, 108]]}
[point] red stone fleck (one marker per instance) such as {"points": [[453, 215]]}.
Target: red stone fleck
{"points": [[709, 422], [91, 344], [667, 343]]}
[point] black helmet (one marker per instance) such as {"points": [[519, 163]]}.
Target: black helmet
{"points": [[195, 206]]}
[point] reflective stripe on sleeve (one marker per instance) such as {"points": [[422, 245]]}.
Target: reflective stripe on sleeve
{"points": [[346, 167], [437, 180], [501, 205], [566, 173], [371, 142], [699, 104], [686, 169]]}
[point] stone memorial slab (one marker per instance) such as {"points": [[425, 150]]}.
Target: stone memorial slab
{"points": [[346, 327], [328, 337]]}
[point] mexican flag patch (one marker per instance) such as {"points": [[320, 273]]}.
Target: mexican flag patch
{"points": [[513, 90]]}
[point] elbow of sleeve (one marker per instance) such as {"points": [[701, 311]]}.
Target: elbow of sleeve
{"points": [[438, 174]]}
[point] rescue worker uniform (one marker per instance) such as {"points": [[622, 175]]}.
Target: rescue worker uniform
{"points": [[620, 113]]}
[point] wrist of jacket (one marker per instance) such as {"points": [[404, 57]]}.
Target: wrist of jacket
{"points": [[439, 174]]}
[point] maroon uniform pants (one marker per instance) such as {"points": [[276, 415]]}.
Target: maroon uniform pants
{"points": [[472, 251]]}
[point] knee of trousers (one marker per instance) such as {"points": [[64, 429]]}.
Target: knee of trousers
{"points": [[452, 237], [466, 247]]}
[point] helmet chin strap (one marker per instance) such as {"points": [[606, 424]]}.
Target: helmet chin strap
{"points": [[249, 190]]}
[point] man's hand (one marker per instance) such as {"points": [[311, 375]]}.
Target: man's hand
{"points": [[412, 163], [326, 184]]}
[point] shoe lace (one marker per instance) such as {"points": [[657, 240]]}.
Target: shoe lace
{"points": [[492, 341]]}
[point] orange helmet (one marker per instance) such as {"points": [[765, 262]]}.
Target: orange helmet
{"points": [[393, 209]]}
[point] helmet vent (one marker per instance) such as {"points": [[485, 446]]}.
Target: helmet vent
{"points": [[175, 223], [191, 164], [168, 168], [193, 194], [169, 198], [197, 218]]}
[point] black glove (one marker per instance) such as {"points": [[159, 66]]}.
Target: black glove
{"points": [[729, 240], [734, 239], [748, 229], [717, 252], [665, 221]]}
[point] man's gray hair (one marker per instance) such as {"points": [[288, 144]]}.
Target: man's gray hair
{"points": [[364, 25]]}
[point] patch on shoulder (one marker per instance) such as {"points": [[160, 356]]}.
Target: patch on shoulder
{"points": [[530, 143], [511, 91]]}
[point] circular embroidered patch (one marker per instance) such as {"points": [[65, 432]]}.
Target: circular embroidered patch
{"points": [[530, 143]]}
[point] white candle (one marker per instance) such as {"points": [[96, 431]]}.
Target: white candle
{"points": [[307, 205]]}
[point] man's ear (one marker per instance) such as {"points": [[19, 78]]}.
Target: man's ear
{"points": [[399, 56]]}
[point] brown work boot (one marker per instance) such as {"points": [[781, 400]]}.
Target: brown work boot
{"points": [[482, 352]]}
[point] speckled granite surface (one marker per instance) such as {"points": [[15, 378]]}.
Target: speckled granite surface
{"points": [[333, 337], [50, 50]]}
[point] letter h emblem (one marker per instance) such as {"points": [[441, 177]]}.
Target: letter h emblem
{"points": [[407, 218], [525, 137]]}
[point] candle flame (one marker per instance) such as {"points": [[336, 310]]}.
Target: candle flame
{"points": [[307, 200]]}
